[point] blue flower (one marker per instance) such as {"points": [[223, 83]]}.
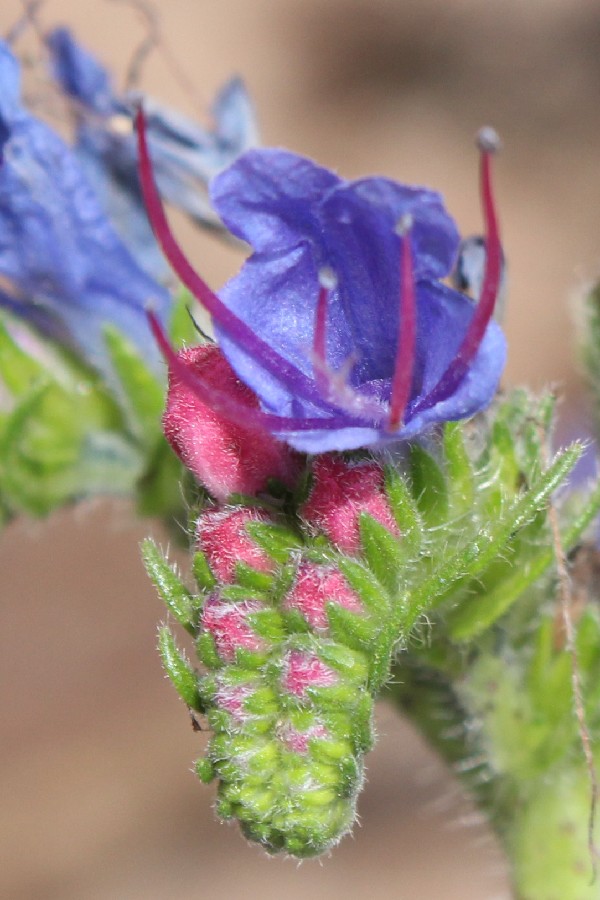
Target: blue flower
{"points": [[185, 155], [339, 321], [62, 265]]}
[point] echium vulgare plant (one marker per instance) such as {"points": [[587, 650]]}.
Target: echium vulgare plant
{"points": [[372, 517], [369, 515]]}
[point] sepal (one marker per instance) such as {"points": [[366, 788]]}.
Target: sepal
{"points": [[180, 673]]}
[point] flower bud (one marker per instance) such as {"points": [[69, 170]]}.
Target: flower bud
{"points": [[304, 670], [225, 456], [228, 624], [316, 586], [341, 491], [222, 536]]}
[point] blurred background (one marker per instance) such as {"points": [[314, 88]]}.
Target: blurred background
{"points": [[98, 800]]}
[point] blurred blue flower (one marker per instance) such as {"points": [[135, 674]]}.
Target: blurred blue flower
{"points": [[185, 155], [62, 265]]}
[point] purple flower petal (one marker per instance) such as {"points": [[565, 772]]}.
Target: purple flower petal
{"points": [[301, 218], [186, 155], [66, 266]]}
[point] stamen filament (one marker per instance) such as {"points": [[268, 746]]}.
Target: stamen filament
{"points": [[237, 330], [222, 403], [320, 338], [488, 143], [407, 331], [327, 282]]}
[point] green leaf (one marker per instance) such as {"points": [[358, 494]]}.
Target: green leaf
{"points": [[275, 540], [202, 573], [350, 662], [18, 370], [39, 450], [382, 551], [177, 598], [382, 649], [268, 624], [459, 469], [251, 578], [349, 628], [206, 649], [471, 619], [490, 541], [205, 770], [368, 588], [404, 509], [428, 486], [179, 671], [144, 394]]}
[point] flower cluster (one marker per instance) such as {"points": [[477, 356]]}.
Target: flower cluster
{"points": [[288, 684]]}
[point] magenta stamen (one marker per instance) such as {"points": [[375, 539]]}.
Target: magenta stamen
{"points": [[407, 334], [320, 339], [237, 330], [335, 387], [327, 282], [222, 403], [337, 390], [488, 143]]}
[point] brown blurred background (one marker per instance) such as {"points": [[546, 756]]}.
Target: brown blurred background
{"points": [[97, 800]]}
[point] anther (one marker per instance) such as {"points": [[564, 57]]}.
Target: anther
{"points": [[488, 140], [404, 224], [327, 278]]}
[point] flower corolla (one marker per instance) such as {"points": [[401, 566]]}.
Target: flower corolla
{"points": [[339, 321]]}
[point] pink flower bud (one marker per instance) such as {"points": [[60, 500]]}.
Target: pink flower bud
{"points": [[232, 697], [314, 587], [341, 491], [303, 670], [221, 535], [229, 626], [297, 741], [225, 456]]}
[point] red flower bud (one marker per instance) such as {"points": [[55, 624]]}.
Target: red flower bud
{"points": [[225, 456], [221, 535], [316, 586], [303, 670], [341, 491], [297, 741], [228, 623]]}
